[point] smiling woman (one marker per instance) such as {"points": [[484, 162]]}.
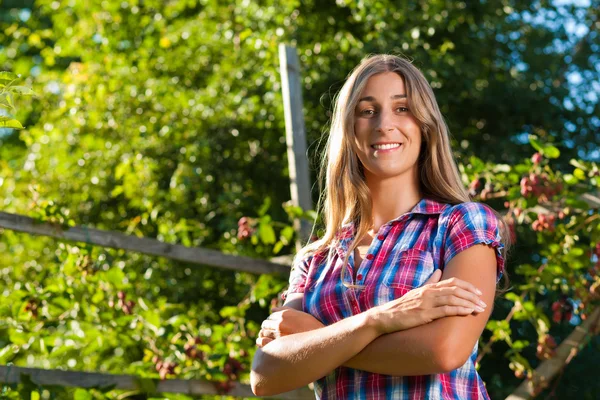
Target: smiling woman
{"points": [[391, 301]]}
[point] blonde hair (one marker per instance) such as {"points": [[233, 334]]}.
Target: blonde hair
{"points": [[346, 198]]}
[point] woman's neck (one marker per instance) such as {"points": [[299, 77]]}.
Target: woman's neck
{"points": [[392, 198]]}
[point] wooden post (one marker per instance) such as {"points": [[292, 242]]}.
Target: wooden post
{"points": [[295, 135], [548, 369]]}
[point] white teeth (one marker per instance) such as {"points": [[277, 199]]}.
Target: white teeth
{"points": [[386, 146]]}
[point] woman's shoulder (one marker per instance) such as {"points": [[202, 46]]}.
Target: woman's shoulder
{"points": [[465, 219], [468, 209]]}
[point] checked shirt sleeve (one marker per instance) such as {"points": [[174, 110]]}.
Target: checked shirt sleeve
{"points": [[470, 224], [298, 276]]}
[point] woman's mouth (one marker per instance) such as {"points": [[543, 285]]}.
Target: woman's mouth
{"points": [[386, 148]]}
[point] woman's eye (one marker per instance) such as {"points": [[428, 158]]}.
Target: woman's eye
{"points": [[367, 112], [402, 109]]}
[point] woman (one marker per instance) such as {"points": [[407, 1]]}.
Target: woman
{"points": [[391, 301]]}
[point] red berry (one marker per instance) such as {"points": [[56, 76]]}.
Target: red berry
{"points": [[227, 369], [550, 342], [536, 158], [237, 366], [163, 373], [171, 367], [557, 316], [519, 374], [534, 179]]}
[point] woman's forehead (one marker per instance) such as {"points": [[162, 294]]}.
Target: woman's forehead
{"points": [[386, 84]]}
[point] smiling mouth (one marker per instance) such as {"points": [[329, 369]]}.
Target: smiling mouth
{"points": [[387, 146]]}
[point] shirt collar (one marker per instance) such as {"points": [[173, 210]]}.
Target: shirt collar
{"points": [[428, 206], [425, 206]]}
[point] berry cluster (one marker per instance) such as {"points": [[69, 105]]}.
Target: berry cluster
{"points": [[164, 368], [232, 369], [546, 348], [125, 305], [474, 187], [539, 186], [32, 307], [244, 228], [520, 371], [191, 349], [544, 223], [562, 310]]}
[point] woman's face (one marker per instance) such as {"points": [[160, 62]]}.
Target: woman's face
{"points": [[387, 136]]}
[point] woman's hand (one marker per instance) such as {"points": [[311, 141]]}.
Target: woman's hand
{"points": [[285, 321], [433, 300]]}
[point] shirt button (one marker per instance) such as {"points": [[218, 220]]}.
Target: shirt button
{"points": [[380, 237], [359, 277], [370, 256]]}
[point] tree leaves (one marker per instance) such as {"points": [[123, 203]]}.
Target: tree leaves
{"points": [[7, 122]]}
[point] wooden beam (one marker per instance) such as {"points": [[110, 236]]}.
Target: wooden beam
{"points": [[295, 134], [548, 369], [117, 240], [12, 375]]}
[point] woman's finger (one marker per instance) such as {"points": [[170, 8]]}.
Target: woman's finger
{"points": [[457, 301], [434, 278], [261, 342], [270, 324], [450, 311], [268, 333], [458, 283], [461, 293]]}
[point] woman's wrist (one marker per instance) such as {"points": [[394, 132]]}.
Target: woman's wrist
{"points": [[372, 320]]}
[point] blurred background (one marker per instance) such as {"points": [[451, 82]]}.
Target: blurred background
{"points": [[164, 119]]}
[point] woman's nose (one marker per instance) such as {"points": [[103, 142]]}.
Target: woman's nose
{"points": [[385, 122]]}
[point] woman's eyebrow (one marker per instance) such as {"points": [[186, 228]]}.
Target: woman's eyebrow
{"points": [[371, 98]]}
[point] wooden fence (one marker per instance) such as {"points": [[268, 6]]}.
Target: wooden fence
{"points": [[117, 240]]}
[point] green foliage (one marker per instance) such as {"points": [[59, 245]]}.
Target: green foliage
{"points": [[553, 285], [8, 90], [165, 120]]}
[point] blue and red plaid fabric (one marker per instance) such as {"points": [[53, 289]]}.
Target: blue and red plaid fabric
{"points": [[402, 256]]}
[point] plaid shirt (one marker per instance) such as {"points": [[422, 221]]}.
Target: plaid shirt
{"points": [[401, 257]]}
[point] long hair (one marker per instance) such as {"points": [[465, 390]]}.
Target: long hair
{"points": [[346, 198]]}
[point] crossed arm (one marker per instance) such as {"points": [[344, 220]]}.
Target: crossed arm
{"points": [[358, 342]]}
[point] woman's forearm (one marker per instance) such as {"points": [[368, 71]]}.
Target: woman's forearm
{"points": [[423, 350], [293, 361]]}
